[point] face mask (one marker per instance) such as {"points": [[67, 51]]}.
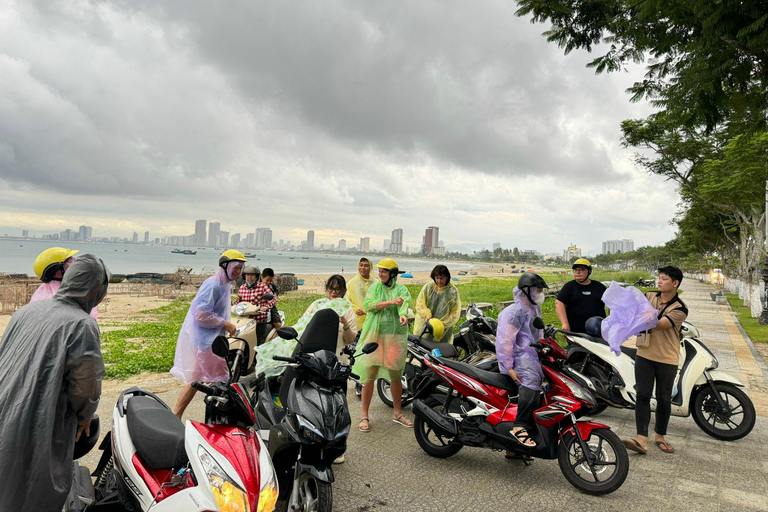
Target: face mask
{"points": [[539, 298], [250, 281]]}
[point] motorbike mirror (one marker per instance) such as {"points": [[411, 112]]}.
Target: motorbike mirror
{"points": [[538, 323], [220, 346], [287, 333], [267, 297], [370, 347]]}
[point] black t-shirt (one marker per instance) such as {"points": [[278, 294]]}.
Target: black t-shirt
{"points": [[582, 302]]}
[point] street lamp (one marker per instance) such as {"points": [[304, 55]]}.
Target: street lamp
{"points": [[764, 316]]}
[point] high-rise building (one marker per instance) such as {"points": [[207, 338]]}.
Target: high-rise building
{"points": [[396, 243], [213, 233], [386, 244], [614, 246], [431, 240], [311, 240], [135, 238], [25, 233], [200, 234], [263, 238], [146, 237], [223, 238], [365, 244], [342, 245], [496, 245], [250, 240], [235, 242], [85, 233], [571, 252]]}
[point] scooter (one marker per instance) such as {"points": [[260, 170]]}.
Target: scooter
{"points": [[474, 344], [150, 460], [481, 407], [309, 430], [716, 399], [241, 358]]}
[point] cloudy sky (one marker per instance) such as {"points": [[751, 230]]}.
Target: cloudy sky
{"points": [[347, 117]]}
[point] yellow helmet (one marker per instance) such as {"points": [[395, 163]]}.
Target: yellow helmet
{"points": [[387, 263], [231, 255], [50, 261], [438, 329], [584, 263]]}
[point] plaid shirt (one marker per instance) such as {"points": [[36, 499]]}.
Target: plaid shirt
{"points": [[253, 295]]}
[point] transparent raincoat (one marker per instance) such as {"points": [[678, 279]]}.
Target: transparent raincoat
{"points": [[285, 348], [209, 311], [513, 341], [49, 289], [357, 288], [383, 327], [50, 378], [631, 313], [443, 303]]}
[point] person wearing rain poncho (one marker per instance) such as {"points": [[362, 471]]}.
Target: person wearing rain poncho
{"points": [[357, 288], [439, 299], [514, 352], [335, 288], [50, 266], [50, 382], [208, 317], [386, 304]]}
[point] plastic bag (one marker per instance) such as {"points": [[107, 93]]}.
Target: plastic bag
{"points": [[631, 313]]}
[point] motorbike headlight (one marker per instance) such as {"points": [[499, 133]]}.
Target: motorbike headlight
{"points": [[581, 393], [269, 489], [308, 430], [241, 308], [230, 497]]}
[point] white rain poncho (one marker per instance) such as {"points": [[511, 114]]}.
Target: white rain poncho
{"points": [[513, 341], [357, 288], [631, 313], [50, 377], [285, 348], [438, 302], [209, 311], [49, 289]]}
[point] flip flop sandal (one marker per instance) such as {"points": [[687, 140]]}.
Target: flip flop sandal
{"points": [[633, 445], [368, 423], [402, 420], [665, 447], [521, 436]]}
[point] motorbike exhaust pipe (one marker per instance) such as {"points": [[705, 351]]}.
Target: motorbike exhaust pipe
{"points": [[442, 425]]}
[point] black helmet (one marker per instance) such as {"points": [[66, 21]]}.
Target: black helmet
{"points": [[86, 443], [530, 280], [593, 326]]}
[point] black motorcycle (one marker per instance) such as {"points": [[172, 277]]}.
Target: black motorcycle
{"points": [[474, 344], [309, 429]]}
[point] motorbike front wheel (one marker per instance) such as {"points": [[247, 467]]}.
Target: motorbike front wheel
{"points": [[734, 423], [602, 470], [385, 393], [312, 495], [429, 440]]}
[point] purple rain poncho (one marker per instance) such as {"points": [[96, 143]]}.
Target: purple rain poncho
{"points": [[205, 320], [513, 341], [631, 313]]}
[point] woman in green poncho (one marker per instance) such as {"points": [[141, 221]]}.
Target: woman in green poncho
{"points": [[438, 299], [386, 304]]}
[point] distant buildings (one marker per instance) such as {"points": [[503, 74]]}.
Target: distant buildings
{"points": [[614, 246], [430, 245], [146, 237], [310, 240], [263, 238], [200, 234], [396, 242], [342, 245], [571, 252], [214, 229], [235, 242], [365, 244], [496, 245]]}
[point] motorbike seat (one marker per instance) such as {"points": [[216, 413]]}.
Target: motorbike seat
{"points": [[446, 349], [156, 432], [496, 380]]}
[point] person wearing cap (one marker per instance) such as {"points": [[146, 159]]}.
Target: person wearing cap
{"points": [[50, 384], [580, 299], [208, 317], [253, 290], [50, 266], [386, 323]]}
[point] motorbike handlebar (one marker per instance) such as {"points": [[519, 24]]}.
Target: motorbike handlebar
{"points": [[354, 376], [208, 390], [285, 359]]}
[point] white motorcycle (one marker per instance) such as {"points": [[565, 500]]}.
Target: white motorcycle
{"points": [[716, 399]]}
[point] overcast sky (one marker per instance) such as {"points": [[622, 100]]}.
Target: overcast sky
{"points": [[350, 118]]}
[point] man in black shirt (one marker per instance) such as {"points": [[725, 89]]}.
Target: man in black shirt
{"points": [[580, 299]]}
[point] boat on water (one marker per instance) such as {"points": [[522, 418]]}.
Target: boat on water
{"points": [[291, 258], [249, 255], [305, 257], [189, 252], [299, 282], [144, 276]]}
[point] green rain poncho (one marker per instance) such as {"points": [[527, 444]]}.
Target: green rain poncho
{"points": [[442, 303], [357, 289], [383, 327]]}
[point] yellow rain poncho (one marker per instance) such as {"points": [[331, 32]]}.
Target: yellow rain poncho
{"points": [[383, 327], [357, 289], [438, 302]]}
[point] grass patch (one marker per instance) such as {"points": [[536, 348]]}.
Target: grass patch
{"points": [[758, 333]]}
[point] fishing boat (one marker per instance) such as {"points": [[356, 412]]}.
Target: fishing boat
{"points": [[144, 276], [189, 252], [305, 257], [299, 282], [249, 255]]}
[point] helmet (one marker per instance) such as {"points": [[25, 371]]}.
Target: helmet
{"points": [[230, 255], [50, 261], [583, 263], [86, 443], [437, 328], [388, 264], [531, 280], [593, 326], [251, 269]]}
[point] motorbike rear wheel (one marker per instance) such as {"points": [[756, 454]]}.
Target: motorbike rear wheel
{"points": [[382, 387], [313, 495], [429, 440], [592, 474], [736, 423]]}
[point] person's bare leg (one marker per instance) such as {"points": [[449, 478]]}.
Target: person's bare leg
{"points": [[396, 388], [366, 397], [186, 396]]}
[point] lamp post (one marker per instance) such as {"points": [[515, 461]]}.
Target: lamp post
{"points": [[764, 316]]}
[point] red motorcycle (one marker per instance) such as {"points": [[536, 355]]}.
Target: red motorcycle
{"points": [[480, 411]]}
